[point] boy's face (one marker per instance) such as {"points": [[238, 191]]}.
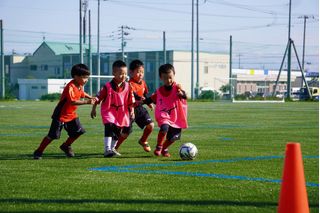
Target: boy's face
{"points": [[138, 74], [167, 78], [81, 80], [120, 74]]}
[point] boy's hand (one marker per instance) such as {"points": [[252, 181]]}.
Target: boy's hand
{"points": [[91, 101], [93, 113], [132, 117], [180, 92], [151, 107]]}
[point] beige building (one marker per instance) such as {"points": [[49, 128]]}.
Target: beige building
{"points": [[263, 81]]}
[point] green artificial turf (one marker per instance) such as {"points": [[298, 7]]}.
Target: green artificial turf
{"points": [[241, 148]]}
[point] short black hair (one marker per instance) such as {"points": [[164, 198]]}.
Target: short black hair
{"points": [[118, 64], [166, 68], [79, 70], [135, 64]]}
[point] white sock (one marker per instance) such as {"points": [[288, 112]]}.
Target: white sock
{"points": [[107, 143]]}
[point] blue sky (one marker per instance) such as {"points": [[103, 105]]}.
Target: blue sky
{"points": [[259, 28]]}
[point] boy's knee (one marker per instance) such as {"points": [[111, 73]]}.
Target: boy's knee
{"points": [[164, 128], [150, 126], [124, 135]]}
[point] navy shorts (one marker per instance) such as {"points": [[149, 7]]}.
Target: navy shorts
{"points": [[173, 134], [111, 130], [142, 117], [74, 128]]}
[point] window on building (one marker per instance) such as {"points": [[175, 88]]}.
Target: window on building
{"points": [[105, 69], [57, 70], [44, 67], [34, 87], [33, 67], [206, 70], [43, 87]]}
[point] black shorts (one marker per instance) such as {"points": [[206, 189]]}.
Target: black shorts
{"points": [[111, 130], [173, 134], [74, 128], [142, 117]]}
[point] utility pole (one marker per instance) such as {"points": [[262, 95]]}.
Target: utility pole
{"points": [[90, 53], [80, 31], [230, 67], [123, 39], [289, 56], [197, 43], [85, 8], [122, 43], [239, 56], [2, 62], [304, 41], [192, 52], [164, 48], [98, 49]]}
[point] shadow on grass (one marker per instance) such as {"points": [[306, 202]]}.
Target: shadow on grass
{"points": [[62, 156], [142, 201]]}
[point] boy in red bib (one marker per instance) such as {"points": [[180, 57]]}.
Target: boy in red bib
{"points": [[65, 115], [140, 91], [171, 110], [117, 101]]}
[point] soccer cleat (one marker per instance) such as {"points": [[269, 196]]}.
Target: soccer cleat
{"points": [[165, 153], [157, 151], [115, 152], [37, 155], [108, 154], [145, 146], [67, 150]]}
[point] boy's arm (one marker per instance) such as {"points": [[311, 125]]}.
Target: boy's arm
{"points": [[94, 110], [82, 102], [99, 97], [181, 93], [151, 99], [131, 103]]}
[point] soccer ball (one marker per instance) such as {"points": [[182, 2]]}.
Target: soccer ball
{"points": [[188, 151]]}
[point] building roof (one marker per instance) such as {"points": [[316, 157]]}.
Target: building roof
{"points": [[60, 48]]}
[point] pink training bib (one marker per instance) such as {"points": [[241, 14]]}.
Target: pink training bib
{"points": [[171, 110], [114, 109]]}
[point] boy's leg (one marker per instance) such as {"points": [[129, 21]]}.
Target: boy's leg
{"points": [[107, 147], [161, 136], [108, 134], [144, 121], [173, 135], [74, 129], [37, 154], [144, 138], [123, 135], [54, 133]]}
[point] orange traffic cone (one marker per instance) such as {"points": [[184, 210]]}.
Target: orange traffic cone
{"points": [[293, 195]]}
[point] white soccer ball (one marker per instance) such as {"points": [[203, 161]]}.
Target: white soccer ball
{"points": [[188, 151]]}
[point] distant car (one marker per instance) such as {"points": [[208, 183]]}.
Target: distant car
{"points": [[314, 92]]}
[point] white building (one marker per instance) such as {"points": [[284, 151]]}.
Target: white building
{"points": [[32, 89]]}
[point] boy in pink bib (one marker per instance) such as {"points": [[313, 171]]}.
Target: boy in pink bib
{"points": [[171, 110], [116, 98]]}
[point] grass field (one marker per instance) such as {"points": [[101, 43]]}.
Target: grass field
{"points": [[240, 162]]}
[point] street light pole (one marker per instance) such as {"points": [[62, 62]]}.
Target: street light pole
{"points": [[2, 62], [98, 49], [192, 52], [197, 39]]}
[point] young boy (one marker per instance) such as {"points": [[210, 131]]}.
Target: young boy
{"points": [[140, 91], [171, 110], [65, 115], [117, 101]]}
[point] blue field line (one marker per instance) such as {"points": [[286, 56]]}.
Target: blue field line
{"points": [[135, 169]]}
